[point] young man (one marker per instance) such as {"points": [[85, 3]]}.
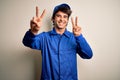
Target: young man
{"points": [[59, 47]]}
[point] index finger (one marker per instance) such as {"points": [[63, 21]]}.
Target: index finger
{"points": [[76, 21], [72, 22], [43, 13], [37, 11]]}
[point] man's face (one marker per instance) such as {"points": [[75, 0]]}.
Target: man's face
{"points": [[60, 20]]}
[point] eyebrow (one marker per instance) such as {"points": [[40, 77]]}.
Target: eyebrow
{"points": [[60, 15]]}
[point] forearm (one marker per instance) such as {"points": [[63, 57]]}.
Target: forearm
{"points": [[83, 48], [30, 40]]}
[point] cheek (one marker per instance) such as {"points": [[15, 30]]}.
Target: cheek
{"points": [[56, 20], [66, 21]]}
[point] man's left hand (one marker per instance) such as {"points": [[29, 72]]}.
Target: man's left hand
{"points": [[76, 29]]}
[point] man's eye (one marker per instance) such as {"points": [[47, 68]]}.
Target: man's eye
{"points": [[58, 15], [65, 16]]}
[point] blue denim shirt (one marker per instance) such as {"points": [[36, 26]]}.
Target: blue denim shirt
{"points": [[59, 59]]}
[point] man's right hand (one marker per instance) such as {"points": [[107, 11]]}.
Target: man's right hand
{"points": [[36, 22]]}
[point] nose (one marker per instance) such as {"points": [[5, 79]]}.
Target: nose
{"points": [[61, 18]]}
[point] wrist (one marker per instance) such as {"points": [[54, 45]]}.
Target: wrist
{"points": [[76, 35], [79, 37], [35, 32]]}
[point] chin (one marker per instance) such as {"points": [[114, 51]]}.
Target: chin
{"points": [[61, 27]]}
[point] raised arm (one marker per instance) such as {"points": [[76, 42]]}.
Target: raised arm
{"points": [[83, 48], [31, 39]]}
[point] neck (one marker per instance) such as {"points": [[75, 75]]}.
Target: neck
{"points": [[60, 30]]}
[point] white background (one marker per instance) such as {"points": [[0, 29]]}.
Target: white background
{"points": [[100, 22]]}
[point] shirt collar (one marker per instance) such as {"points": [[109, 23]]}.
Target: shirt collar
{"points": [[66, 33]]}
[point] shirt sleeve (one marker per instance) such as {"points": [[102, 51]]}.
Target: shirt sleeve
{"points": [[83, 48], [32, 41]]}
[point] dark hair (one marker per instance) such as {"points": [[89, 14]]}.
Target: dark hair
{"points": [[62, 7]]}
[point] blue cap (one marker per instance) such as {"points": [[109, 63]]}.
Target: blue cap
{"points": [[64, 5]]}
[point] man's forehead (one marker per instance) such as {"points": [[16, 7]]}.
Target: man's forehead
{"points": [[61, 13]]}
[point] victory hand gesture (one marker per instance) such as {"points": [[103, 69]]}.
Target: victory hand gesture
{"points": [[36, 22], [76, 29]]}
